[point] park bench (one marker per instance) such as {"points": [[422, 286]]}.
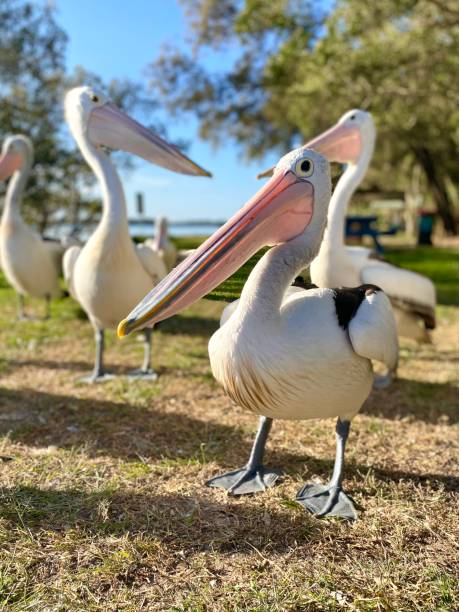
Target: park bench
{"points": [[358, 226]]}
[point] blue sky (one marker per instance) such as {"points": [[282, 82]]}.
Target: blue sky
{"points": [[119, 38]]}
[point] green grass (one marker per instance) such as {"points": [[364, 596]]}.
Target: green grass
{"points": [[439, 264]]}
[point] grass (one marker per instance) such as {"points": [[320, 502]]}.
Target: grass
{"points": [[102, 497], [440, 264]]}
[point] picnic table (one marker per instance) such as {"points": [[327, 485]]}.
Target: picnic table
{"points": [[358, 226]]}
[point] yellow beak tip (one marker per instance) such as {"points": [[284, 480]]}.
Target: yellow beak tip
{"points": [[122, 330]]}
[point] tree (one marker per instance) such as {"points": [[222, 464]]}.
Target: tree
{"points": [[33, 84], [32, 66], [298, 69]]}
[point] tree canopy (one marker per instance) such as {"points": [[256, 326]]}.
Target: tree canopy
{"points": [[34, 79], [291, 69]]}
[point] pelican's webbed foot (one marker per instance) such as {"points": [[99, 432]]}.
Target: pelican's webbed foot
{"points": [[253, 477], [330, 499], [246, 480], [327, 500], [96, 377], [141, 374]]}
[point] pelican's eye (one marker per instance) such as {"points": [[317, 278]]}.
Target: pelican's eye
{"points": [[304, 167], [352, 117], [94, 98]]}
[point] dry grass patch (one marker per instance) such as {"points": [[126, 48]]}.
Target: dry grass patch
{"points": [[103, 503]]}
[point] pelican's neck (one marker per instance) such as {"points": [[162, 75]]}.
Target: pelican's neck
{"points": [[264, 290], [15, 190], [161, 236], [114, 216], [344, 190]]}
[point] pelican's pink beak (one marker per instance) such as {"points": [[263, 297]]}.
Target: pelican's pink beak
{"points": [[280, 211], [341, 143], [9, 163], [111, 127]]}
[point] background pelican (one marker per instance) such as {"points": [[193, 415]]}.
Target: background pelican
{"points": [[162, 245], [282, 354], [351, 141], [109, 274], [31, 264]]}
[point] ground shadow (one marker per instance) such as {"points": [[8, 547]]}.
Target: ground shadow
{"points": [[118, 429], [129, 431], [50, 364], [185, 523], [322, 468], [83, 367], [419, 401]]}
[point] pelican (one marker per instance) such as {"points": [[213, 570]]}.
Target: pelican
{"points": [[31, 264], [162, 245], [109, 274], [351, 141], [283, 354]]}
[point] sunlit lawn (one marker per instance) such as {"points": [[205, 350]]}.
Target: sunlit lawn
{"points": [[103, 504]]}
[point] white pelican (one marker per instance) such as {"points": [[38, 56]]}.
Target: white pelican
{"points": [[109, 274], [284, 354], [31, 264], [351, 141], [162, 245]]}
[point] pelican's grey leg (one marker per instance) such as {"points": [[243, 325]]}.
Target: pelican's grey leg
{"points": [[21, 308], [146, 372], [330, 499], [254, 477], [383, 381], [47, 307], [98, 374]]}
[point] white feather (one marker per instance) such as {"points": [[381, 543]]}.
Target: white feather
{"points": [[68, 264], [399, 283], [152, 262], [373, 330]]}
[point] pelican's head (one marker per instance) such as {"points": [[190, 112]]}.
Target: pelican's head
{"points": [[293, 201], [17, 151], [346, 142], [92, 117]]}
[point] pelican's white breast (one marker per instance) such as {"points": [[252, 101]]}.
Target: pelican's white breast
{"points": [[299, 365], [109, 279], [27, 262]]}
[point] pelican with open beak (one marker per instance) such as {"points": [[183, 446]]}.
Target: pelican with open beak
{"points": [[109, 274], [283, 354]]}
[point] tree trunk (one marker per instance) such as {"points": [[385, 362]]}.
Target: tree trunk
{"points": [[43, 223], [439, 190]]}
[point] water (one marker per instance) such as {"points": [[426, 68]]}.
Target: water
{"points": [[144, 229], [175, 229]]}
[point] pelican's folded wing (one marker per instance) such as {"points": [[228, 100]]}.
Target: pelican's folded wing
{"points": [[56, 250], [407, 290], [373, 331], [151, 262], [68, 265]]}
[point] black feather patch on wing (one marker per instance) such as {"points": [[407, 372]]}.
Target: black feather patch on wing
{"points": [[348, 300], [300, 282]]}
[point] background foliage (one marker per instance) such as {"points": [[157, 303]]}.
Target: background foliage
{"points": [[296, 68], [34, 80]]}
